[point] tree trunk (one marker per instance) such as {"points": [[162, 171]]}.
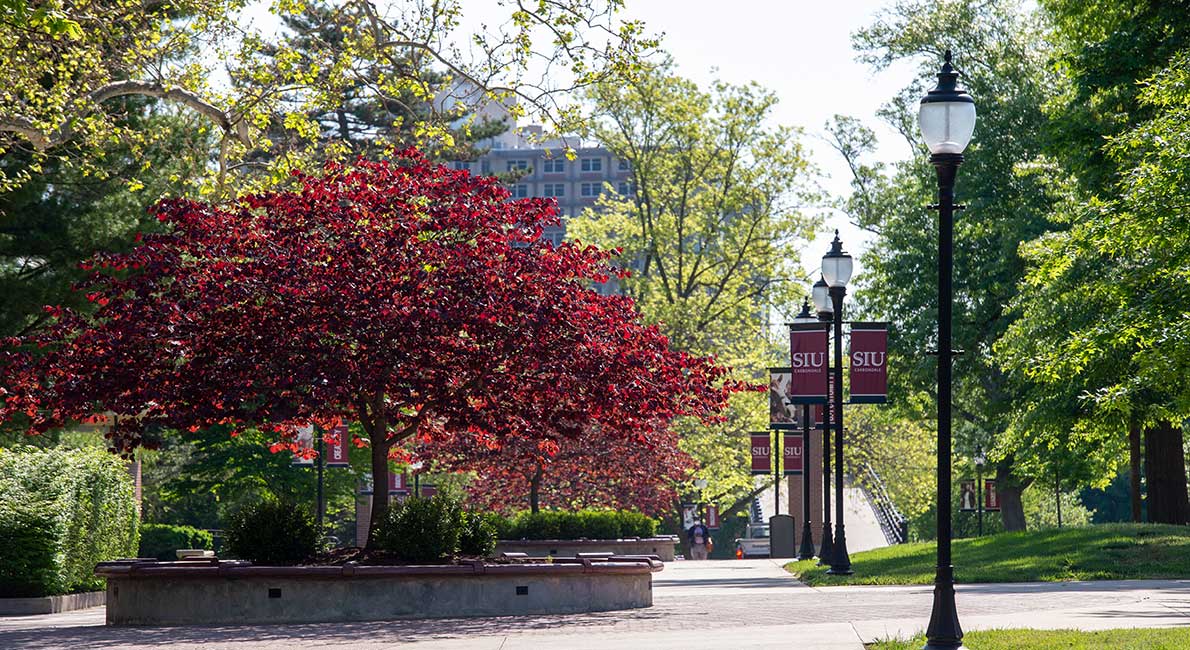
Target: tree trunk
{"points": [[535, 491], [376, 427], [1165, 474], [1134, 466], [379, 488], [1010, 488]]}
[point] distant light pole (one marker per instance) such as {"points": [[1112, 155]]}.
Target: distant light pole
{"points": [[947, 120], [820, 295], [980, 459], [806, 550], [836, 270]]}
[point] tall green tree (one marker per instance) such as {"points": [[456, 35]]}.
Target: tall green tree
{"points": [[996, 47], [710, 226], [1106, 326]]}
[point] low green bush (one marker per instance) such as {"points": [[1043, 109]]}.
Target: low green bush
{"points": [[65, 511], [163, 540], [422, 530], [27, 541], [478, 536], [272, 532], [582, 524]]}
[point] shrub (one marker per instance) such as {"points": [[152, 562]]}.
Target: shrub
{"points": [[422, 530], [67, 510], [635, 524], [478, 536], [27, 540], [272, 532], [162, 540], [589, 524]]}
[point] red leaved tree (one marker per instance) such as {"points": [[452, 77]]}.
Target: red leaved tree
{"points": [[597, 468], [403, 295]]}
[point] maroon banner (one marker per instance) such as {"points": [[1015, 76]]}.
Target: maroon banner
{"points": [[869, 363], [338, 446], [397, 483], [429, 490], [991, 496], [791, 454], [712, 518], [807, 363], [818, 408], [762, 449]]}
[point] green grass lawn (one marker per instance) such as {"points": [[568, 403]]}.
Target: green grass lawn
{"points": [[1104, 552], [1141, 639]]}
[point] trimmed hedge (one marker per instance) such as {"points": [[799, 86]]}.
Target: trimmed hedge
{"points": [[163, 540], [272, 532], [62, 511], [435, 529], [583, 524]]}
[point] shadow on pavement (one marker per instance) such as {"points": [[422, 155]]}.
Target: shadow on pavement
{"points": [[398, 631]]}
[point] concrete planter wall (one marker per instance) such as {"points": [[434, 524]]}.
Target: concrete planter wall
{"points": [[186, 593], [50, 604], [662, 547]]}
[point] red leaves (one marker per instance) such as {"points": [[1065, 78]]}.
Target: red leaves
{"points": [[400, 295]]}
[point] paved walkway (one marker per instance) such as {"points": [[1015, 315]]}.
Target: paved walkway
{"points": [[863, 529], [731, 604]]}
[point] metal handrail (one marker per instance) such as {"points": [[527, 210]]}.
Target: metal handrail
{"points": [[893, 524]]}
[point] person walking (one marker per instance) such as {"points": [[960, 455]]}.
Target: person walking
{"points": [[700, 538]]}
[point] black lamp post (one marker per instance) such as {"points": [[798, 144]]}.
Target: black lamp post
{"points": [[836, 270], [947, 120], [806, 550], [820, 294]]}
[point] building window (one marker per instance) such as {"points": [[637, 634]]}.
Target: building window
{"points": [[515, 165], [519, 191], [461, 166], [554, 237], [590, 189], [554, 166], [626, 188], [592, 164], [624, 166], [556, 190], [485, 167]]}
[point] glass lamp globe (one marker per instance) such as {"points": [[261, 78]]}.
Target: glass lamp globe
{"points": [[821, 296], [947, 114], [836, 265]]}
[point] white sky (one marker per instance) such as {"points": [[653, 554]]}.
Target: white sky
{"points": [[801, 50]]}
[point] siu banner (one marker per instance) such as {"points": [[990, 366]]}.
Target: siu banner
{"points": [[807, 363], [869, 363], [762, 453]]}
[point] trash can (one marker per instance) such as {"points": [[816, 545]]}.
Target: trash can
{"points": [[781, 536]]}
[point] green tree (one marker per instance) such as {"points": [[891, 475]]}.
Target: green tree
{"points": [[1106, 328], [710, 227], [1004, 68]]}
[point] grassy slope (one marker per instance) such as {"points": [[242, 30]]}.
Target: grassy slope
{"points": [[1105, 552], [1141, 639]]}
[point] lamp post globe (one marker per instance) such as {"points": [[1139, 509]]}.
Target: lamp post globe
{"points": [[946, 116], [836, 265], [947, 121], [820, 294]]}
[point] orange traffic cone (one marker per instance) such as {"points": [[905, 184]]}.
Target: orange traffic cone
{"points": [[739, 554]]}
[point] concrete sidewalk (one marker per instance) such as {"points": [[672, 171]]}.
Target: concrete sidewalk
{"points": [[733, 604]]}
